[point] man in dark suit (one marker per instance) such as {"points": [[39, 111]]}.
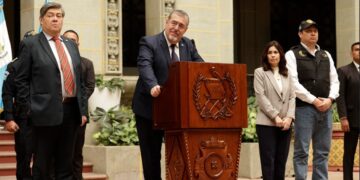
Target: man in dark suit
{"points": [[88, 76], [156, 53], [15, 123], [348, 104], [51, 94]]}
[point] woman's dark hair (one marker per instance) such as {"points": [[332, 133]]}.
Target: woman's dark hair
{"points": [[282, 63]]}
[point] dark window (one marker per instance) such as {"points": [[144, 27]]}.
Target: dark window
{"points": [[133, 28], [286, 16]]}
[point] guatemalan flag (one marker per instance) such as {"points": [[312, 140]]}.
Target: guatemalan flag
{"points": [[5, 50]]}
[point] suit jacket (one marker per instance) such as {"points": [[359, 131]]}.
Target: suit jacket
{"points": [[153, 65], [271, 101], [9, 91], [88, 76], [348, 103], [38, 81]]}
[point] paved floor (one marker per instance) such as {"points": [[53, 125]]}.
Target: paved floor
{"points": [[332, 176]]}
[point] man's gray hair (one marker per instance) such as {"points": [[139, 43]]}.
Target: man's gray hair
{"points": [[181, 13], [51, 5]]}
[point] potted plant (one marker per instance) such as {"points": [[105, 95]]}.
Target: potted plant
{"points": [[117, 126], [249, 166], [107, 93], [116, 141]]}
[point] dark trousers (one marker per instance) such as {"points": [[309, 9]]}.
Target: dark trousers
{"points": [[78, 155], [24, 150], [274, 149], [350, 142], [150, 147], [54, 146]]}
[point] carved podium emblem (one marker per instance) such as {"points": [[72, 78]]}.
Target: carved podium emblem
{"points": [[213, 159], [214, 96]]}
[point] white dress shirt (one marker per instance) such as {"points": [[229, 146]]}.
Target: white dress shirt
{"points": [[54, 51], [277, 77], [176, 46], [301, 92]]}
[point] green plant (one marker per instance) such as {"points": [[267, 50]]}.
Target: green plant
{"points": [[112, 84], [117, 126], [249, 133], [335, 115]]}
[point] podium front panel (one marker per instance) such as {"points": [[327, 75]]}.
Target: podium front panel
{"points": [[202, 95]]}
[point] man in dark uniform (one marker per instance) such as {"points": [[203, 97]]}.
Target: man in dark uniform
{"points": [[349, 108], [17, 123], [88, 76]]}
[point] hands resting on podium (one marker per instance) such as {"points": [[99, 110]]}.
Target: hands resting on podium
{"points": [[155, 91]]}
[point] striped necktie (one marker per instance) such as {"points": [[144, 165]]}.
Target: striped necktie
{"points": [[65, 67]]}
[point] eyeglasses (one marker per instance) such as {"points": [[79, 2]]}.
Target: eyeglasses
{"points": [[174, 23]]}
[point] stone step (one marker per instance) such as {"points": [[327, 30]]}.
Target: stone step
{"points": [[5, 135], [87, 176], [7, 145], [9, 169], [7, 157]]}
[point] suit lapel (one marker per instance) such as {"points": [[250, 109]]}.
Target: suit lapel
{"points": [[354, 71], [182, 51], [45, 44], [164, 48], [273, 82]]}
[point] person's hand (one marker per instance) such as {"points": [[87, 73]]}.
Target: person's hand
{"points": [[345, 125], [287, 123], [318, 104], [279, 122], [155, 91], [327, 102], [83, 120], [11, 126]]}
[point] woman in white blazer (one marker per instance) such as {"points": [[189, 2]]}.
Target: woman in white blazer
{"points": [[275, 96]]}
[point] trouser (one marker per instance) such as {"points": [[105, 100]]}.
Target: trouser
{"points": [[54, 146], [150, 141], [24, 150], [350, 143], [274, 147], [310, 124], [78, 155]]}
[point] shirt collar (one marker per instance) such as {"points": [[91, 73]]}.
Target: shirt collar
{"points": [[317, 47], [48, 37], [356, 65], [168, 43]]}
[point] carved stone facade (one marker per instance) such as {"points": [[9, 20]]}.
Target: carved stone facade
{"points": [[113, 46], [169, 6]]}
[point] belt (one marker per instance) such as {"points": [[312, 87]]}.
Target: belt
{"points": [[69, 99]]}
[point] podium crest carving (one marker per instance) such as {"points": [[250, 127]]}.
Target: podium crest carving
{"points": [[213, 159], [214, 96]]}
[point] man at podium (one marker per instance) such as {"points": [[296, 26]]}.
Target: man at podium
{"points": [[156, 53]]}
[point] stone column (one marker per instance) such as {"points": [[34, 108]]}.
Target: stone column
{"points": [[347, 29]]}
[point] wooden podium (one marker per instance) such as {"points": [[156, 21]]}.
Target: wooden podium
{"points": [[202, 108]]}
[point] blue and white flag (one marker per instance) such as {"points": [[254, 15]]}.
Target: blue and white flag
{"points": [[5, 50]]}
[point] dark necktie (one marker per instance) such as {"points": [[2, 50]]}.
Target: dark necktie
{"points": [[174, 56], [65, 67]]}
